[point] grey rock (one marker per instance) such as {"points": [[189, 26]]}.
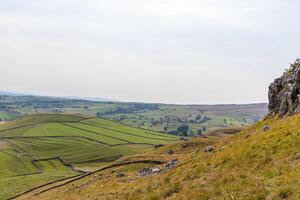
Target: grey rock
{"points": [[153, 171], [172, 163], [183, 138], [156, 170], [149, 171], [266, 128], [284, 92], [209, 149], [120, 175], [184, 145], [158, 146], [145, 172]]}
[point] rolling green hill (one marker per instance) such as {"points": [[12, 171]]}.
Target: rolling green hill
{"points": [[255, 164], [38, 149]]}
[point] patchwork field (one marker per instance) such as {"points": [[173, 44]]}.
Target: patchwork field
{"points": [[42, 148], [198, 118], [157, 117]]}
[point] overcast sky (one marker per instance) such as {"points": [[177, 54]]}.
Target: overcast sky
{"points": [[187, 51]]}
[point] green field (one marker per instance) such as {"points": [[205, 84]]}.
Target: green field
{"points": [[38, 149], [7, 116], [157, 117], [169, 117]]}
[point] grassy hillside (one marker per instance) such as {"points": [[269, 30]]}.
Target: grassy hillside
{"points": [[254, 164], [38, 149]]}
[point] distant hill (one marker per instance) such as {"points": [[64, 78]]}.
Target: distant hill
{"points": [[61, 97], [11, 93], [91, 98]]}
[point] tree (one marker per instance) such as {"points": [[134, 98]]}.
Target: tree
{"points": [[225, 121], [184, 134], [198, 117], [165, 128], [98, 114], [199, 132], [183, 129]]}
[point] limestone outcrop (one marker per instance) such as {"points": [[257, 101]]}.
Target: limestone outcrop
{"points": [[284, 92]]}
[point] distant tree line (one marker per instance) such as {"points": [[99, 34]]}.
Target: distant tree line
{"points": [[130, 109], [9, 109]]}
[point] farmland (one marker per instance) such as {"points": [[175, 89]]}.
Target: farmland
{"points": [[42, 148], [157, 117]]}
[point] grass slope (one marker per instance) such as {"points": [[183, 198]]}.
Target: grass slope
{"points": [[38, 149], [252, 165], [40, 118]]}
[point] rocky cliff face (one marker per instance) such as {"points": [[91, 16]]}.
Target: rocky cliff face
{"points": [[284, 92]]}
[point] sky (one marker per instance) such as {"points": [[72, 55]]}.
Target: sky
{"points": [[169, 51]]}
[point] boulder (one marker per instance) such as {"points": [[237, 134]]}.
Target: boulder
{"points": [[149, 171], [284, 92], [184, 145], [172, 163], [145, 172], [266, 128], [120, 175], [208, 149], [183, 138], [156, 170]]}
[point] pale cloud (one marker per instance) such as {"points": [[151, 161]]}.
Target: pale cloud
{"points": [[191, 51]]}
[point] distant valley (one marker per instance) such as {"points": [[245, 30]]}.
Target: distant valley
{"points": [[183, 120]]}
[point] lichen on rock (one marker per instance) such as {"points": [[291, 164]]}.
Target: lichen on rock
{"points": [[284, 92]]}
